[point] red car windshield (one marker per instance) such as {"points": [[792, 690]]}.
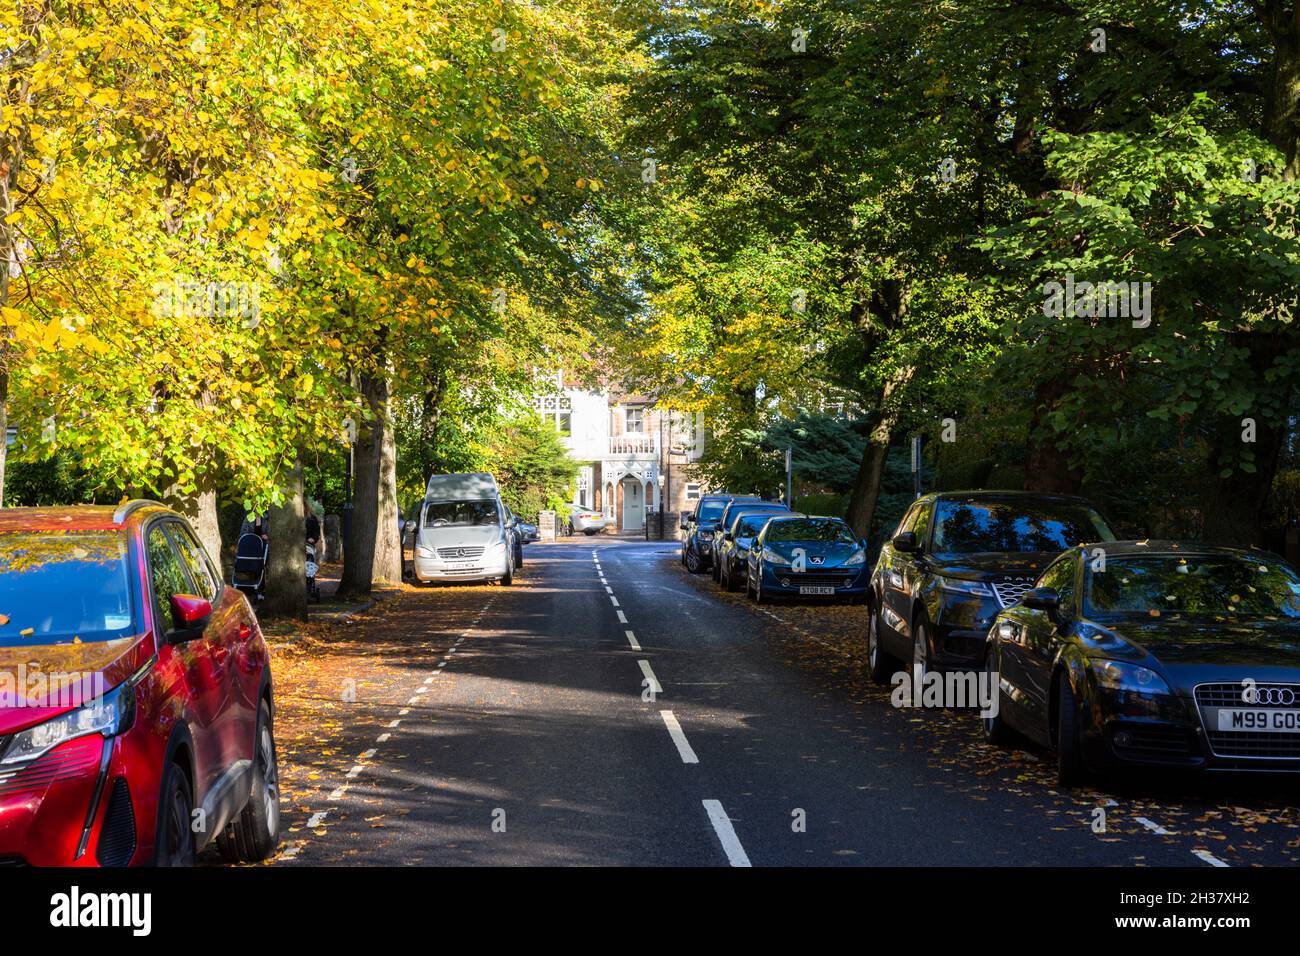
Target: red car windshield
{"points": [[59, 587]]}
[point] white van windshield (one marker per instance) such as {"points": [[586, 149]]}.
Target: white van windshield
{"points": [[460, 514]]}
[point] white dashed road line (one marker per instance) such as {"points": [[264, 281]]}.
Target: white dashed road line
{"points": [[654, 685], [679, 737], [1154, 827], [736, 855], [631, 639], [1208, 857]]}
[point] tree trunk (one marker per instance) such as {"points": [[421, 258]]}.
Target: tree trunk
{"points": [[1282, 105], [866, 487], [1047, 465], [373, 554], [201, 510], [286, 573], [875, 320], [1236, 510], [11, 155], [4, 418]]}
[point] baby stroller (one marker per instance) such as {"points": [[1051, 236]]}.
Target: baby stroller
{"points": [[250, 565], [313, 589]]}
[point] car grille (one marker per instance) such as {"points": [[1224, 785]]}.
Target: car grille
{"points": [[822, 580], [1009, 591], [460, 554], [1263, 743]]}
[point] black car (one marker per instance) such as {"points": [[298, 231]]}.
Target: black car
{"points": [[956, 560], [1153, 654], [727, 519], [699, 526]]}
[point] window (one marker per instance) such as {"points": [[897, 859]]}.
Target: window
{"points": [[167, 576], [909, 520], [196, 561], [1223, 587], [460, 514], [921, 525], [557, 409], [692, 491], [1060, 578], [830, 530], [1015, 525], [634, 419], [57, 587]]}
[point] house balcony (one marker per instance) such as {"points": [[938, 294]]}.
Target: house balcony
{"points": [[634, 445]]}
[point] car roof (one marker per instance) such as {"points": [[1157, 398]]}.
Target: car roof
{"points": [[757, 504], [76, 517], [746, 512], [1006, 493], [1115, 549]]}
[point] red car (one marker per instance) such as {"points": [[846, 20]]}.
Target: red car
{"points": [[135, 695]]}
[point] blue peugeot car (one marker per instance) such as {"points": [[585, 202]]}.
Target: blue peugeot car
{"points": [[797, 555]]}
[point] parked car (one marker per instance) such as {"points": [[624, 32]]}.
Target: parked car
{"points": [[462, 533], [584, 520], [529, 532], [164, 701], [1156, 654], [726, 519], [733, 558], [955, 560], [516, 537], [699, 525], [802, 555]]}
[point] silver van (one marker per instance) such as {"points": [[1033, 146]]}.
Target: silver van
{"points": [[463, 532]]}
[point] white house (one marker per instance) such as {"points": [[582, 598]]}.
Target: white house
{"points": [[636, 456]]}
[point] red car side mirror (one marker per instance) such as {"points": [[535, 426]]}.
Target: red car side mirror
{"points": [[190, 613]]}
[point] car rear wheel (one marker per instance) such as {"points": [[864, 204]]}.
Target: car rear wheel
{"points": [[255, 833], [175, 838], [880, 663], [1070, 769]]}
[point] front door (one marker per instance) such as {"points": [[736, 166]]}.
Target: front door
{"points": [[633, 506]]}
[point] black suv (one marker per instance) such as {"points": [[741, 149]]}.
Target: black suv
{"points": [[699, 525], [958, 558]]}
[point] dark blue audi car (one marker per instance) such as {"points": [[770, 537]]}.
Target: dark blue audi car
{"points": [[797, 555]]}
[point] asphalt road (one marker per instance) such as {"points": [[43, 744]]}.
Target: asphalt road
{"points": [[611, 709]]}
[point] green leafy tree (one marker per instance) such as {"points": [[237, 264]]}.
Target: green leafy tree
{"points": [[532, 467]]}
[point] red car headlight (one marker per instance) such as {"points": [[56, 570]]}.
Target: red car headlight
{"points": [[109, 715]]}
